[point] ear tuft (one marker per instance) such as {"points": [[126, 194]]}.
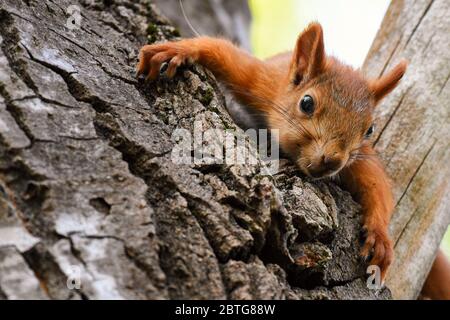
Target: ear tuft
{"points": [[309, 55], [386, 83]]}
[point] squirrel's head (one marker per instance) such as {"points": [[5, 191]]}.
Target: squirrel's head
{"points": [[325, 114]]}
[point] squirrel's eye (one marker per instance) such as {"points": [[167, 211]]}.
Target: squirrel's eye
{"points": [[307, 105], [370, 131]]}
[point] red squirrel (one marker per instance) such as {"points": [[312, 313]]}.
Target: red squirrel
{"points": [[322, 108]]}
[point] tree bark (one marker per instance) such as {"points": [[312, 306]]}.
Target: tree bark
{"points": [[414, 134], [92, 205]]}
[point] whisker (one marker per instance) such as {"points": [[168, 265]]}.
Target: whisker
{"points": [[277, 107], [316, 128], [364, 155]]}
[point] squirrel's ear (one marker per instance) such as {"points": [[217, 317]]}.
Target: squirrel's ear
{"points": [[386, 83], [309, 55]]}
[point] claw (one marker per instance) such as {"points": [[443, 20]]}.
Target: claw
{"points": [[160, 59], [137, 74], [377, 249], [148, 79], [163, 68], [363, 236]]}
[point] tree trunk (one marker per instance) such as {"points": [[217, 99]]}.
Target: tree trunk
{"points": [[414, 134]]}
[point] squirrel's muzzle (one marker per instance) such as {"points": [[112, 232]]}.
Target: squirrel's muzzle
{"points": [[325, 166]]}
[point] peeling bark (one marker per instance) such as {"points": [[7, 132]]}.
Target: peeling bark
{"points": [[89, 190], [414, 136]]}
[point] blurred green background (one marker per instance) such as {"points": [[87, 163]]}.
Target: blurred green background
{"points": [[349, 29]]}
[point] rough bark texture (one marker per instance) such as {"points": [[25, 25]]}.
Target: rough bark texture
{"points": [[414, 134], [89, 191]]}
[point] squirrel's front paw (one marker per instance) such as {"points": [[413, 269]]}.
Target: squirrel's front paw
{"points": [[378, 246], [151, 58]]}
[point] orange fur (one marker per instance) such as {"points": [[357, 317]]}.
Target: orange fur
{"points": [[385, 84], [328, 142], [243, 73], [368, 183]]}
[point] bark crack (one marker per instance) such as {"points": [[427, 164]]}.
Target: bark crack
{"points": [[391, 117], [418, 23], [445, 84], [391, 56], [415, 173]]}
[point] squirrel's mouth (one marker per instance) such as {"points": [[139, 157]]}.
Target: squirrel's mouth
{"points": [[322, 174], [320, 168]]}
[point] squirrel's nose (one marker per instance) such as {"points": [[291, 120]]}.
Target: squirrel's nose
{"points": [[331, 163], [324, 166]]}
